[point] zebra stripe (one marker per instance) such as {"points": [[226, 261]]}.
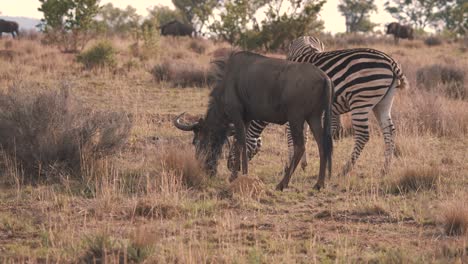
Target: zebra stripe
{"points": [[364, 80]]}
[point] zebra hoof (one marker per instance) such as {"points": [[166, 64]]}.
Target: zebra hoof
{"points": [[304, 166]]}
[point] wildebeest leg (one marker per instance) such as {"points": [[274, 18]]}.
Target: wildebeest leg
{"points": [[382, 112], [241, 145], [360, 121], [317, 130], [291, 147], [297, 135]]}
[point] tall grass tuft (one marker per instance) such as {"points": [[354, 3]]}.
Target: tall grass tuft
{"points": [[455, 220], [448, 80], [51, 135], [415, 179], [182, 162]]}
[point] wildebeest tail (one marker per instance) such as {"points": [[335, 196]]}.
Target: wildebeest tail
{"points": [[327, 135]]}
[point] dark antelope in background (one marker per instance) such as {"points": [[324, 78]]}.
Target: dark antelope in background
{"points": [[177, 28], [9, 27], [254, 87], [400, 31]]}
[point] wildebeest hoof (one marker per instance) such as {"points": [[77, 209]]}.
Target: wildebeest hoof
{"points": [[280, 187], [318, 187]]}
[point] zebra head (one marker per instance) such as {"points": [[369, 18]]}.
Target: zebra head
{"points": [[304, 44]]}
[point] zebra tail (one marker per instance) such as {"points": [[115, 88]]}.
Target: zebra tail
{"points": [[404, 84], [327, 136]]}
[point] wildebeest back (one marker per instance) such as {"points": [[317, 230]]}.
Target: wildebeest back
{"points": [[273, 97]]}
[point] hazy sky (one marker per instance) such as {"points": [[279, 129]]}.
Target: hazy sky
{"points": [[334, 21]]}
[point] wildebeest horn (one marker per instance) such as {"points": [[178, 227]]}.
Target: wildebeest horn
{"points": [[184, 127]]}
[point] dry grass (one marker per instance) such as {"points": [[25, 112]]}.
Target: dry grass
{"points": [[449, 80], [183, 73], [455, 219], [149, 201], [415, 180]]}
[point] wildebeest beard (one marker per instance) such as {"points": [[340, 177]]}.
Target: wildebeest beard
{"points": [[215, 130]]}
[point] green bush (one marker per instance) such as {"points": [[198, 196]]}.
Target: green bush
{"points": [[100, 55]]}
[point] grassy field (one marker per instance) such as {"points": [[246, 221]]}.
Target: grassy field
{"points": [[149, 202]]}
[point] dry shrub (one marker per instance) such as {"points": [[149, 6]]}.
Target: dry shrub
{"points": [[421, 113], [148, 208], [221, 52], [246, 186], [433, 41], [30, 34], [182, 162], [7, 55], [413, 44], [415, 179], [198, 46], [8, 44], [182, 73], [51, 135], [449, 80], [372, 209], [455, 219]]}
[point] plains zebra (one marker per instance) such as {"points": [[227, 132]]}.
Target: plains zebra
{"points": [[365, 79]]}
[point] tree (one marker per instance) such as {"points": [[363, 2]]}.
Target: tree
{"points": [[164, 14], [284, 21], [233, 20], [454, 15], [68, 22], [356, 13], [196, 12], [300, 18], [421, 13], [119, 21]]}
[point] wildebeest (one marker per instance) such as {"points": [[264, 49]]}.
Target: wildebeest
{"points": [[399, 31], [254, 87], [9, 27], [177, 28]]}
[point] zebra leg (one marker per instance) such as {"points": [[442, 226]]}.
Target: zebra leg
{"points": [[304, 156], [382, 112], [291, 148], [337, 129], [360, 121], [297, 136], [233, 163]]}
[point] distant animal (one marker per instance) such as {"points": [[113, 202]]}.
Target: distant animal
{"points": [[399, 31], [177, 28], [9, 27], [254, 87], [365, 80]]}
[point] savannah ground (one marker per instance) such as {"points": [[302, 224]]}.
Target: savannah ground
{"points": [[149, 202]]}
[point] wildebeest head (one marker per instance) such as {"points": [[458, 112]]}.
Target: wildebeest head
{"points": [[208, 139], [392, 28]]}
